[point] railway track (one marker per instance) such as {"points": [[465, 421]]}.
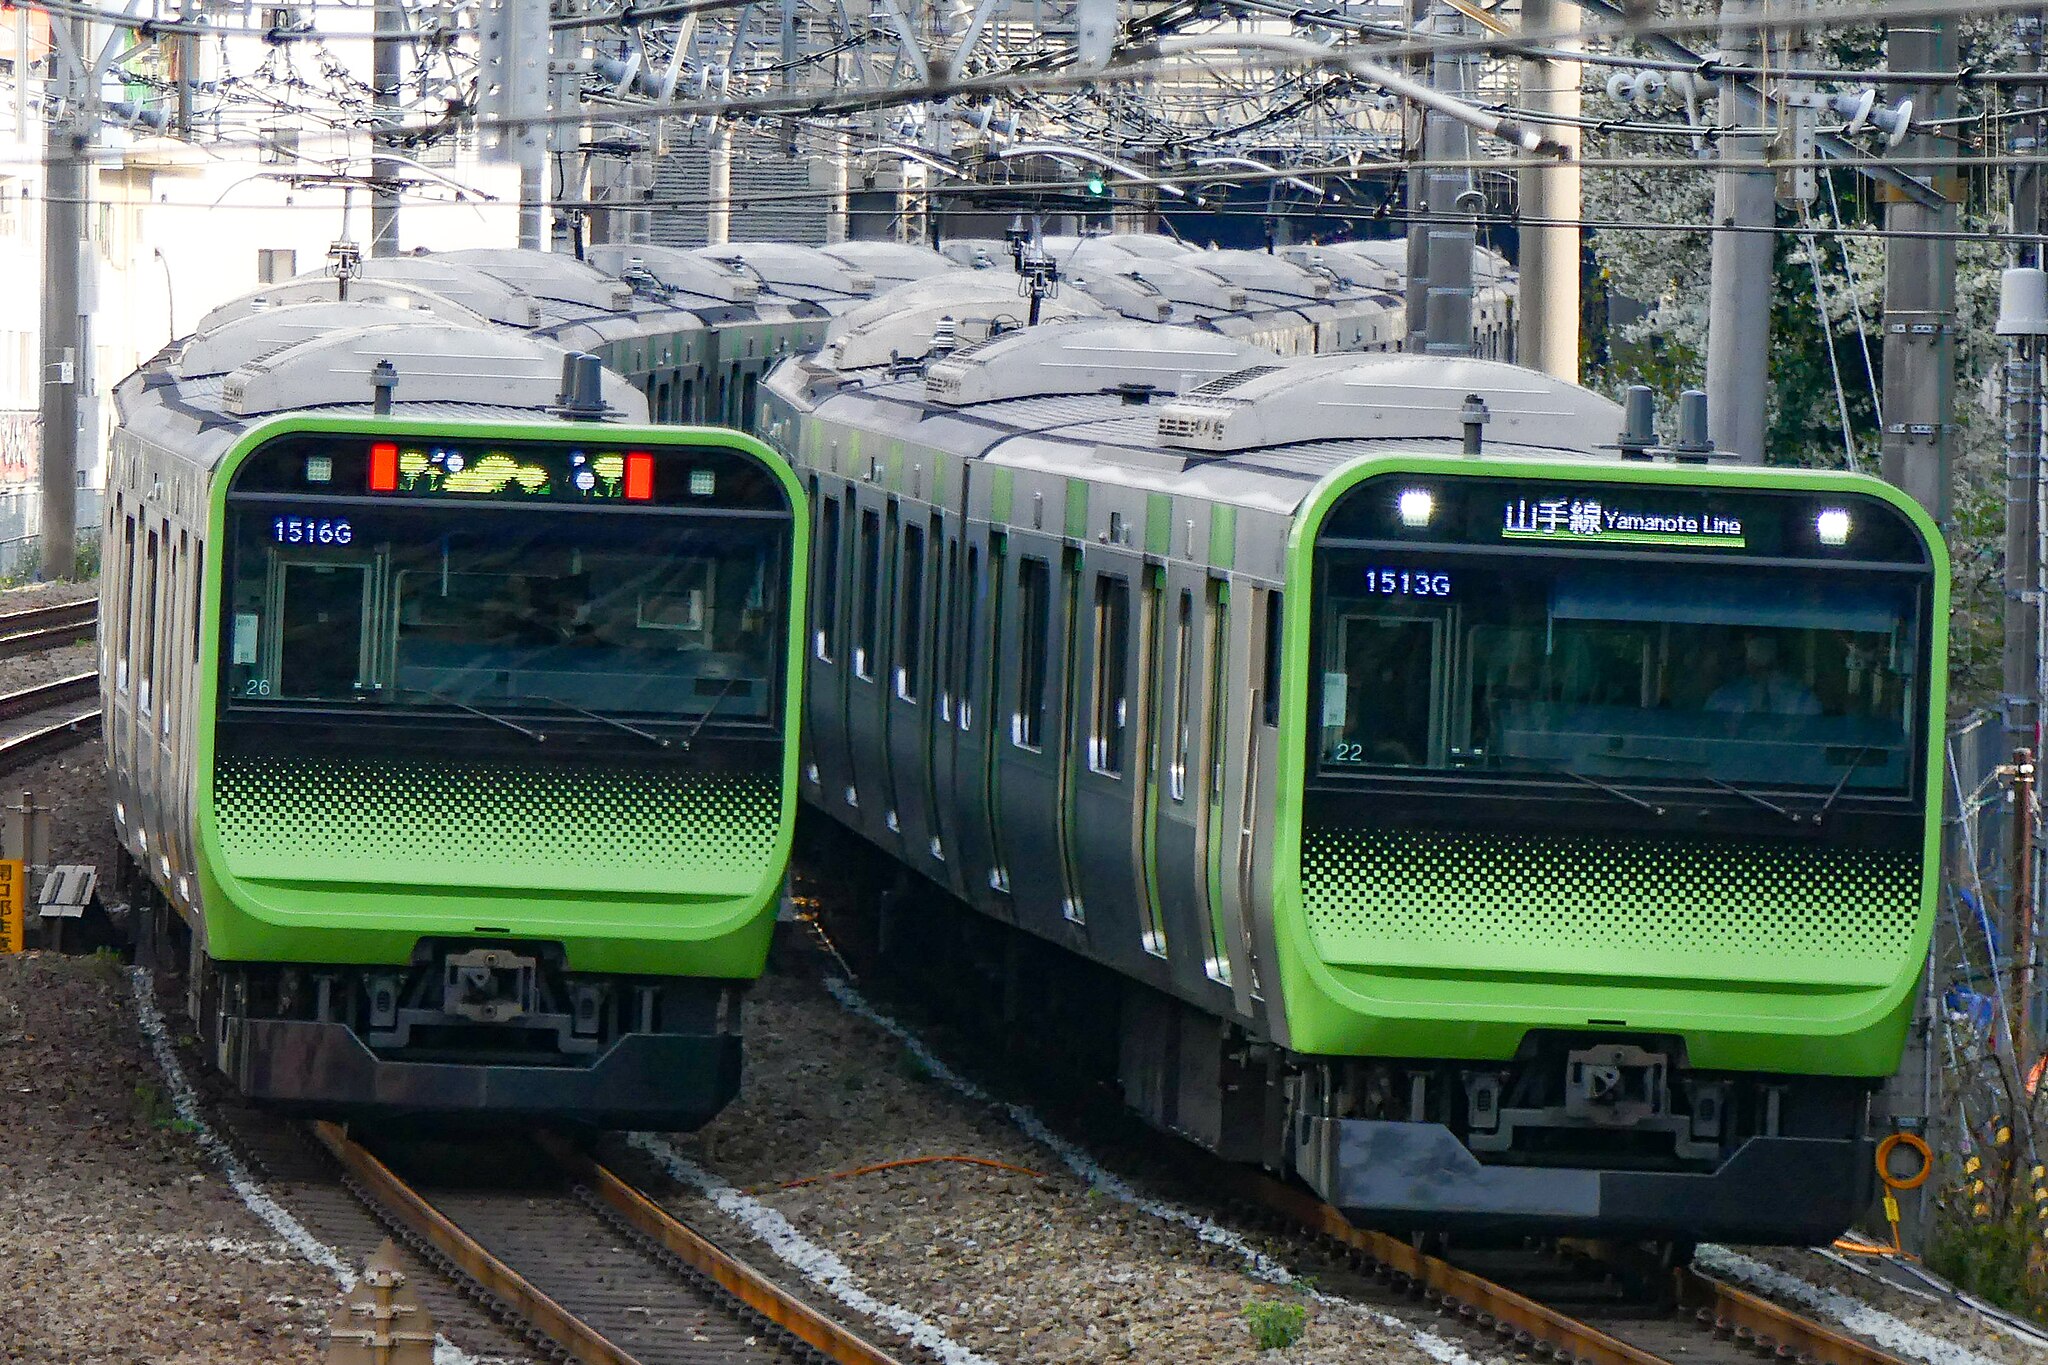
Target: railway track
{"points": [[49, 716], [592, 1269], [40, 628], [1586, 1304]]}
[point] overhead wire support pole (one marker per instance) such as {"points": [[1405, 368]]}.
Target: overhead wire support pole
{"points": [[386, 51], [1548, 338], [2023, 426], [1447, 321], [1920, 291], [1739, 278], [69, 115]]}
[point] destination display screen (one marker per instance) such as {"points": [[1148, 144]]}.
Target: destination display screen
{"points": [[448, 468], [1585, 517]]}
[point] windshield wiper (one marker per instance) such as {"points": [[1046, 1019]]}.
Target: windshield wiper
{"points": [[1794, 816], [535, 735], [612, 721], [723, 693], [1608, 787], [1847, 773]]}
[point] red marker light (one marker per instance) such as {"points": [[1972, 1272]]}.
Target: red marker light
{"points": [[384, 467], [639, 476]]}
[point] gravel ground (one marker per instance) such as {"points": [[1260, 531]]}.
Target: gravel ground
{"points": [[1017, 1267], [1951, 1322], [46, 595], [121, 1243]]}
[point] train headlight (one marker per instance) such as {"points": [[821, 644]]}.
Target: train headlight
{"points": [[1416, 507], [1833, 526]]}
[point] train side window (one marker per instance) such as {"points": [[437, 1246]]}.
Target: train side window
{"points": [[1219, 675], [125, 639], [198, 594], [750, 386], [1034, 624], [825, 641], [1112, 647], [969, 638], [1183, 688], [686, 410], [868, 630], [1275, 611], [910, 631], [946, 647], [146, 664]]}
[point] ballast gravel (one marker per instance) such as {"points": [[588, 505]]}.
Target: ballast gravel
{"points": [[1933, 1330], [122, 1246], [1031, 1265]]}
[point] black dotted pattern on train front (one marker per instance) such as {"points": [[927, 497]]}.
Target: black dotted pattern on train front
{"points": [[1796, 906], [353, 815]]}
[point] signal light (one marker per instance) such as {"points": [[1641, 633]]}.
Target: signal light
{"points": [[639, 476], [1096, 184], [384, 467]]}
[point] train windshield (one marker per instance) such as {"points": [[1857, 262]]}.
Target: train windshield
{"points": [[1713, 675], [662, 617]]}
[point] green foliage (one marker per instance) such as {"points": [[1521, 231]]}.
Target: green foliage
{"points": [[156, 1110], [1276, 1324], [2004, 1259]]}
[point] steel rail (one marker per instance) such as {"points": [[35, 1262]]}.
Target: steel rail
{"points": [[558, 1324], [612, 1199], [1530, 1324], [731, 1274], [77, 687], [40, 628], [60, 734], [1729, 1311]]}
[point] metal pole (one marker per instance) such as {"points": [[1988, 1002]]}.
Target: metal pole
{"points": [[2022, 911], [1739, 289], [718, 185], [1415, 121], [2021, 661], [1446, 144], [1550, 189], [385, 80], [66, 340], [1920, 290]]}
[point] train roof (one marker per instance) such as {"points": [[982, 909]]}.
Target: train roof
{"points": [[904, 323], [196, 399], [797, 272], [1184, 410], [891, 263]]}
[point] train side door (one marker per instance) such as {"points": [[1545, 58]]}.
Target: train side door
{"points": [[1029, 812], [1197, 615], [875, 536], [967, 783], [1107, 770], [907, 697], [827, 651]]}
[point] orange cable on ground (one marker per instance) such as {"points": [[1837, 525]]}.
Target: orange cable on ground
{"points": [[900, 1162]]}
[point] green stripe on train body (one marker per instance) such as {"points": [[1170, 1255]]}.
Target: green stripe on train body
{"points": [[353, 862], [1790, 959]]}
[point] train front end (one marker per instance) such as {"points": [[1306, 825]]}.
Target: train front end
{"points": [[1610, 880], [495, 800]]}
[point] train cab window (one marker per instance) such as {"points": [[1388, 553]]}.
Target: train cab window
{"points": [[910, 633], [825, 639], [1183, 697], [320, 643], [1110, 711], [867, 612], [1034, 626]]}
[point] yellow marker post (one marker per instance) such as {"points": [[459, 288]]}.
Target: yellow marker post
{"points": [[13, 905]]}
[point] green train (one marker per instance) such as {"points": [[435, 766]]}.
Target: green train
{"points": [[452, 742], [1383, 777]]}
